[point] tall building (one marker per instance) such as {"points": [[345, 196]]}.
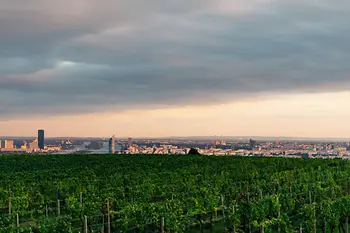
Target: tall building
{"points": [[129, 142], [9, 144], [33, 146], [111, 145], [41, 139], [6, 144], [251, 143]]}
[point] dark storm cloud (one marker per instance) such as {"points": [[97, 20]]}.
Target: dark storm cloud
{"points": [[101, 55]]}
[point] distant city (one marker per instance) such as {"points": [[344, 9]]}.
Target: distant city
{"points": [[205, 145]]}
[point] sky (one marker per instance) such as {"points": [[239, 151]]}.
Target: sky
{"points": [[160, 68]]}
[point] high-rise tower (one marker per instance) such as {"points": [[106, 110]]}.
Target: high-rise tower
{"points": [[111, 145], [41, 139]]}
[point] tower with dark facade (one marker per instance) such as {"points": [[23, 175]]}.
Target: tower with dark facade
{"points": [[41, 139]]}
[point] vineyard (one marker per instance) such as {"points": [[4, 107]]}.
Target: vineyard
{"points": [[172, 193]]}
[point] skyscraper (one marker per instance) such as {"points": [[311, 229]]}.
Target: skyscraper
{"points": [[251, 143], [41, 139], [111, 145], [129, 142]]}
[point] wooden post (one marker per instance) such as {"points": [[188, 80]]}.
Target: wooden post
{"points": [[279, 214], [17, 222], [85, 225], [310, 197], [223, 206], [81, 204], [249, 225], [108, 218], [347, 218], [261, 197], [162, 224], [301, 229], [315, 226], [10, 207], [103, 224], [58, 207], [233, 212], [46, 211]]}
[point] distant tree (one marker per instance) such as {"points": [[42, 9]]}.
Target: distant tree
{"points": [[193, 151]]}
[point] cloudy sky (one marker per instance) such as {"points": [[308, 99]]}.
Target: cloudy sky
{"points": [[185, 67]]}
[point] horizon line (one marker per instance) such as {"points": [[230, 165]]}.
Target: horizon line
{"points": [[184, 137]]}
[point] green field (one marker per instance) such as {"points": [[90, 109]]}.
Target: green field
{"points": [[135, 193]]}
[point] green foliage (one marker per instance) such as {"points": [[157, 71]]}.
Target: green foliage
{"points": [[60, 224], [7, 224], [258, 193]]}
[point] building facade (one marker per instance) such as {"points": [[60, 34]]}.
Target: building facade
{"points": [[7, 144], [111, 145], [41, 139], [33, 146]]}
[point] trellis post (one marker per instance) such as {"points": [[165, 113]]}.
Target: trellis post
{"points": [[10, 207], [85, 225], [347, 218], [17, 222], [58, 207], [310, 201], [261, 197], [108, 218], [222, 206], [314, 217], [162, 224], [233, 211], [103, 223], [279, 213], [249, 226]]}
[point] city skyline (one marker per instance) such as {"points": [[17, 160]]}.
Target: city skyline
{"points": [[184, 68]]}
